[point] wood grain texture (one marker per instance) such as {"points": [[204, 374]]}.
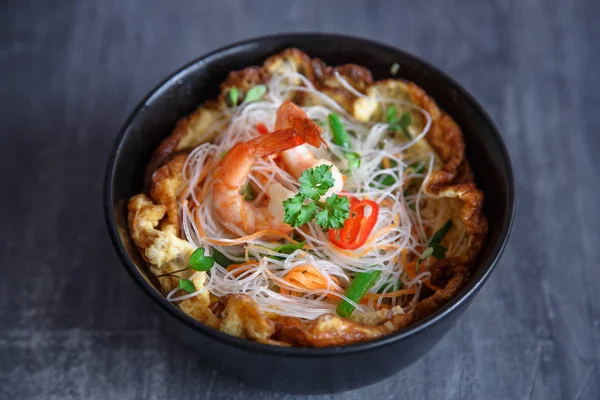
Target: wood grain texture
{"points": [[73, 326]]}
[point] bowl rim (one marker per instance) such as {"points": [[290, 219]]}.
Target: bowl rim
{"points": [[464, 295]]}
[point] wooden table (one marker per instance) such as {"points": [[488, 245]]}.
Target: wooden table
{"points": [[72, 325]]}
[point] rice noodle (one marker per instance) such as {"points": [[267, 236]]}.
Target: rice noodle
{"points": [[400, 226]]}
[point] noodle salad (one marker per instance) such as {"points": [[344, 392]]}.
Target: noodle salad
{"points": [[310, 205], [265, 265]]}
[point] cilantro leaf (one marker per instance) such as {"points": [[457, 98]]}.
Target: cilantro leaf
{"points": [[296, 212], [335, 212], [305, 205], [315, 182], [187, 285], [292, 207]]}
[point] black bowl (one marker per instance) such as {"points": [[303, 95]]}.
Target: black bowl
{"points": [[306, 370]]}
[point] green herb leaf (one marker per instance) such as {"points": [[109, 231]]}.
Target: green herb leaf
{"points": [[255, 94], [233, 96], [220, 258], [289, 248], [405, 119], [402, 123], [340, 134], [427, 253], [387, 179], [419, 168], [439, 235], [435, 249], [353, 160], [439, 251], [296, 212], [187, 285], [305, 206], [391, 115], [199, 261], [335, 213], [315, 182]]}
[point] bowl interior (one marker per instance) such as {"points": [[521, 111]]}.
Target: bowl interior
{"points": [[199, 81]]}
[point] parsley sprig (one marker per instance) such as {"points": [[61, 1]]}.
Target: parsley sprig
{"points": [[305, 206]]}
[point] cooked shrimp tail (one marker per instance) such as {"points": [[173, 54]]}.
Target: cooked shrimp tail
{"points": [[276, 142], [290, 115]]}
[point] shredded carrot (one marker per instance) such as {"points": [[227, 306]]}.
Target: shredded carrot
{"points": [[306, 277], [237, 269], [256, 247], [367, 250], [386, 162], [387, 203], [203, 173], [199, 225], [411, 269], [245, 239], [431, 285], [395, 223]]}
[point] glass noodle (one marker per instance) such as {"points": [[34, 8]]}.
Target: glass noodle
{"points": [[260, 271]]}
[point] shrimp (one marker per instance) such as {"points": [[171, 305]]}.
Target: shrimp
{"points": [[300, 158], [231, 175]]}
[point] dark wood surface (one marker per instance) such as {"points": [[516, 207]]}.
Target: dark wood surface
{"points": [[72, 325]]}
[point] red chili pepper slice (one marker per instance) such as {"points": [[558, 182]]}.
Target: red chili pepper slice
{"points": [[262, 128], [358, 227]]}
